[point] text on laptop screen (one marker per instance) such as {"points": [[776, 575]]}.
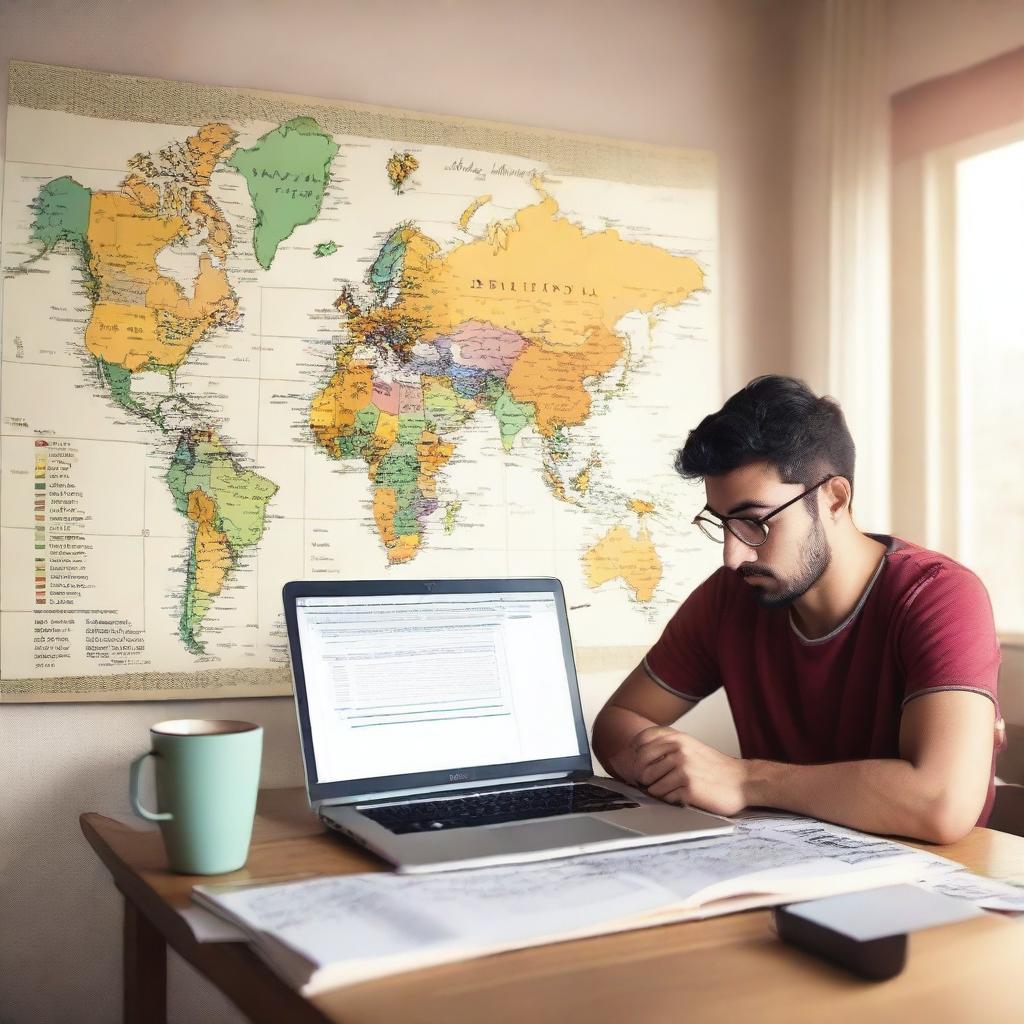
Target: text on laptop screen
{"points": [[399, 684]]}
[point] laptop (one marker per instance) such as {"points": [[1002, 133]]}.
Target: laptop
{"points": [[441, 726]]}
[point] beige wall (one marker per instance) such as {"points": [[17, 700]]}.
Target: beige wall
{"points": [[928, 38], [697, 73]]}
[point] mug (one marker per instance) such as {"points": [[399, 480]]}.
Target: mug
{"points": [[207, 776]]}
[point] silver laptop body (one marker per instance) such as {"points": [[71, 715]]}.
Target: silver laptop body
{"points": [[441, 726]]}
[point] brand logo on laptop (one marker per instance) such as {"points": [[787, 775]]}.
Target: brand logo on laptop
{"points": [[458, 776]]}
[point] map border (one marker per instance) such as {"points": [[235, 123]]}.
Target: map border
{"points": [[160, 101]]}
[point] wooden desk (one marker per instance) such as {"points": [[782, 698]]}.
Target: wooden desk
{"points": [[728, 968]]}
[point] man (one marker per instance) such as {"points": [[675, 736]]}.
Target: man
{"points": [[860, 669]]}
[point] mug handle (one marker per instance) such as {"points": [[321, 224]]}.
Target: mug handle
{"points": [[133, 790]]}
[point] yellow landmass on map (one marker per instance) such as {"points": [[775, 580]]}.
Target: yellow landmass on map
{"points": [[431, 454], [142, 317], [384, 436], [641, 508], [333, 410], [212, 554], [400, 547], [581, 481], [218, 236], [124, 237], [467, 214], [552, 378], [205, 149], [399, 167], [552, 282], [141, 192], [620, 555]]}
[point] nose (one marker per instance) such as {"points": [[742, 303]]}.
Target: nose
{"points": [[736, 553]]}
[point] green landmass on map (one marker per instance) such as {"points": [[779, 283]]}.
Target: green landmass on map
{"points": [[450, 512], [61, 214], [512, 417], [325, 249], [61, 210], [118, 381], [386, 269], [286, 172], [227, 508]]}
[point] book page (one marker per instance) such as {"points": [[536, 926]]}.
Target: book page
{"points": [[366, 925]]}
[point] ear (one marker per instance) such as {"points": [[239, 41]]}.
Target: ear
{"points": [[838, 496]]}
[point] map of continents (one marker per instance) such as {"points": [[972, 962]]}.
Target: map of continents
{"points": [[425, 313]]}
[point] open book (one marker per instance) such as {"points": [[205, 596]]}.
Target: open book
{"points": [[335, 930]]}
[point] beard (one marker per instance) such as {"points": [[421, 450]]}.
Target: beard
{"points": [[815, 556]]}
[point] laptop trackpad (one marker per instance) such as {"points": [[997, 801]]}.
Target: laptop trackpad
{"points": [[547, 835]]}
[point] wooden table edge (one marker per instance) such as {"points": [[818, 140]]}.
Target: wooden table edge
{"points": [[232, 967]]}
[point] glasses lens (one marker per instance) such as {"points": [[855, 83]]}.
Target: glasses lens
{"points": [[712, 530], [748, 531]]}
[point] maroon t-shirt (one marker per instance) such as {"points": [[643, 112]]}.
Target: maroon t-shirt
{"points": [[923, 625]]}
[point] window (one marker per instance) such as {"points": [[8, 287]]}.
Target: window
{"points": [[958, 358], [989, 373]]}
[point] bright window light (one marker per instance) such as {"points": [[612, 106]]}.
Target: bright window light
{"points": [[990, 368]]}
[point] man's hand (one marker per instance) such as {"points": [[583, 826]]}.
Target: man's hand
{"points": [[678, 769]]}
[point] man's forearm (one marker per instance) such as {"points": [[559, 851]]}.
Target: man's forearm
{"points": [[891, 797], [614, 730]]}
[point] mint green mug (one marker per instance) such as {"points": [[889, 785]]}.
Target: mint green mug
{"points": [[207, 777]]}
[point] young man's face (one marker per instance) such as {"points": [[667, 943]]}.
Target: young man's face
{"points": [[797, 551]]}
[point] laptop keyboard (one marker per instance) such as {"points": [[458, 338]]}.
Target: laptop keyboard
{"points": [[496, 807]]}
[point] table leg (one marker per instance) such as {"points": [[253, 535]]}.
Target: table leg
{"points": [[145, 969]]}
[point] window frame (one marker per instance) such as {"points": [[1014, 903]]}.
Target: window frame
{"points": [[929, 442]]}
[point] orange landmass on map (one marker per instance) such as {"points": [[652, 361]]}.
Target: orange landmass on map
{"points": [[161, 330], [620, 555], [333, 410], [218, 232], [551, 377], [143, 318], [213, 556], [401, 548], [431, 454], [384, 436], [123, 334], [581, 481], [140, 191], [385, 505], [212, 298], [205, 149], [124, 238], [550, 280]]}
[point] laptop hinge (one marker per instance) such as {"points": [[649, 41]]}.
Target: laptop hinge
{"points": [[518, 780]]}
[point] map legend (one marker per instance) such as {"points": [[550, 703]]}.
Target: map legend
{"points": [[39, 513]]}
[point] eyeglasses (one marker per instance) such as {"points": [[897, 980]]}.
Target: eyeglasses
{"points": [[752, 532]]}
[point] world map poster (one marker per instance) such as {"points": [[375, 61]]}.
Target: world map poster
{"points": [[251, 338]]}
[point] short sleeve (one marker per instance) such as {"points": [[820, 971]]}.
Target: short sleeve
{"points": [[947, 640], [684, 661]]}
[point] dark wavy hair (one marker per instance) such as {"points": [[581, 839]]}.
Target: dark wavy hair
{"points": [[777, 420]]}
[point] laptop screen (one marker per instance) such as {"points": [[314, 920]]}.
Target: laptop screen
{"points": [[410, 684]]}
